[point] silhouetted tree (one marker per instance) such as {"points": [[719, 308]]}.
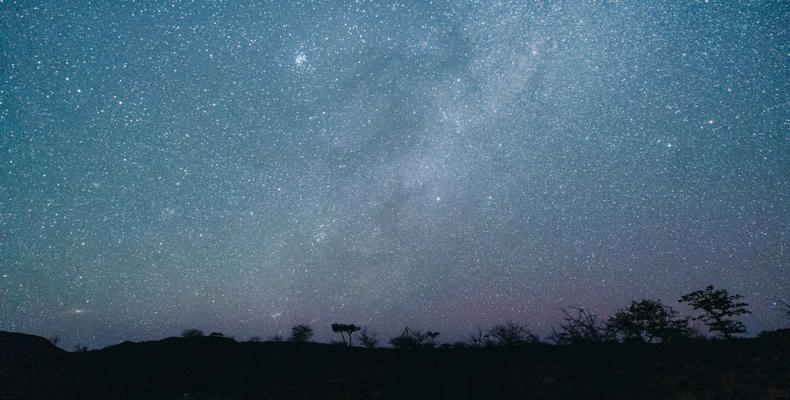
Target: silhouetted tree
{"points": [[718, 308], [581, 328], [480, 339], [301, 334], [511, 334], [216, 334], [190, 333], [368, 338], [647, 320], [410, 339], [345, 331]]}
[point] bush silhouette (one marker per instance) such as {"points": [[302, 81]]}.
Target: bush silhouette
{"points": [[368, 338], [431, 335], [511, 334], [581, 328], [345, 331], [301, 334], [480, 339], [718, 307], [411, 339], [646, 321], [190, 333], [407, 340], [216, 334]]}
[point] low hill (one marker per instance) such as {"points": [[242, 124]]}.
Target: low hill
{"points": [[221, 368], [24, 361], [19, 346]]}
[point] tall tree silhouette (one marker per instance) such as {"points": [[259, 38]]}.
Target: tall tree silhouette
{"points": [[718, 307], [345, 331]]}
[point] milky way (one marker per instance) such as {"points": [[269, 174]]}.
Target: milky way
{"points": [[244, 168]]}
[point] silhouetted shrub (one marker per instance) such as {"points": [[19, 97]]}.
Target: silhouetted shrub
{"points": [[511, 334], [346, 331], [190, 333], [581, 328], [406, 340], [216, 334], [718, 307], [777, 338], [410, 339], [301, 334], [368, 338], [431, 341], [646, 321], [480, 339]]}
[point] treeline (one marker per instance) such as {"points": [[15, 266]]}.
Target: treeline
{"points": [[644, 321]]}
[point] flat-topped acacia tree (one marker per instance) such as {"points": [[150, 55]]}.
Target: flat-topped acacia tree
{"points": [[347, 329], [719, 308]]}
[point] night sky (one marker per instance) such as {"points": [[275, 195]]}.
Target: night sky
{"points": [[244, 168]]}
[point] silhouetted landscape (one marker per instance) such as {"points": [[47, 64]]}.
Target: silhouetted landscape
{"points": [[645, 350], [221, 368]]}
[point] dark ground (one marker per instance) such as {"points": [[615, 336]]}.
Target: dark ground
{"points": [[220, 368]]}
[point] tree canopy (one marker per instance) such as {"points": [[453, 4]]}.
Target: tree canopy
{"points": [[646, 321], [301, 334], [719, 308], [345, 331]]}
